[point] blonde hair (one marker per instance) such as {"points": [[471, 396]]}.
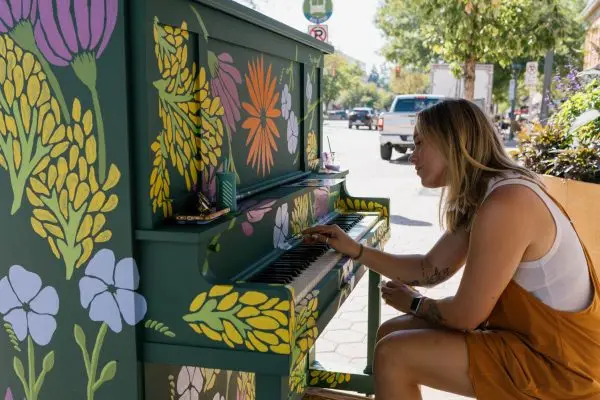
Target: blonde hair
{"points": [[472, 148]]}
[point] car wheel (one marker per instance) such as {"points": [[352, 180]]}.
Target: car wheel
{"points": [[386, 151], [357, 127]]}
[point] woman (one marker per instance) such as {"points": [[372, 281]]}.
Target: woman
{"points": [[525, 321]]}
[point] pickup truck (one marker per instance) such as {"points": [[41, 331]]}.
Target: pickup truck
{"points": [[397, 125]]}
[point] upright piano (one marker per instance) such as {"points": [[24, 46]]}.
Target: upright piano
{"points": [[119, 121]]}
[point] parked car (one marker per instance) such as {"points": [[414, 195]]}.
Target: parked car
{"points": [[337, 114], [362, 116], [396, 127]]}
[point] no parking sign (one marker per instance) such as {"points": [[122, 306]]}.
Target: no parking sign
{"points": [[319, 32]]}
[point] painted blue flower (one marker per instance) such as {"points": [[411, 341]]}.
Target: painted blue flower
{"points": [[27, 307], [109, 291]]}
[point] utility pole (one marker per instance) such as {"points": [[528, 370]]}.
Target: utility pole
{"points": [[548, 64]]}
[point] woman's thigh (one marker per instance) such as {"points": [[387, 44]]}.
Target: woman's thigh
{"points": [[401, 323], [434, 358]]}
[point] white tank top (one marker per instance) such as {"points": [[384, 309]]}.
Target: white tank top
{"points": [[560, 279]]}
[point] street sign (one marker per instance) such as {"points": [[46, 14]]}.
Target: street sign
{"points": [[511, 90], [531, 73], [317, 11], [319, 32]]}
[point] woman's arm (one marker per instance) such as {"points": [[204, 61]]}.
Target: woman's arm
{"points": [[502, 231], [438, 265]]}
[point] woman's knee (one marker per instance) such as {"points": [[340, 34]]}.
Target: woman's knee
{"points": [[401, 323]]}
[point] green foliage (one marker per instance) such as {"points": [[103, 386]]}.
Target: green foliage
{"points": [[577, 104], [554, 150], [490, 31], [409, 82]]}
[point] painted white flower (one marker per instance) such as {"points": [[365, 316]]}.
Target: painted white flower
{"points": [[282, 223], [189, 383], [218, 396], [292, 133], [286, 102], [309, 88]]}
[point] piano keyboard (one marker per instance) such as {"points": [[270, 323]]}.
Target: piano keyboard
{"points": [[303, 266]]}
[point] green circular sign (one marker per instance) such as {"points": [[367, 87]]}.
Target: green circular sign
{"points": [[317, 11]]}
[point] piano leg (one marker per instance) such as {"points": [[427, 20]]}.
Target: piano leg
{"points": [[374, 318], [273, 387]]}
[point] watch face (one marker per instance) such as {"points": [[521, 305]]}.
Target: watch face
{"points": [[415, 304]]}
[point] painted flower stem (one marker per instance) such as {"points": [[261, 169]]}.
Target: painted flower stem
{"points": [[84, 65], [23, 35], [230, 160], [91, 363], [71, 250], [91, 386], [32, 395], [30, 157]]}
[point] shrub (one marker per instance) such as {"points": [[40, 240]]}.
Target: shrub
{"points": [[554, 150]]}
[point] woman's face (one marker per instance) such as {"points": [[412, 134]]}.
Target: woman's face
{"points": [[429, 162]]}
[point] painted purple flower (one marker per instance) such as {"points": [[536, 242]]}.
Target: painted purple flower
{"points": [[79, 41], [61, 37], [225, 78], [14, 11], [256, 214], [281, 228], [27, 307], [109, 291], [321, 202], [286, 102], [309, 88], [292, 133], [8, 395]]}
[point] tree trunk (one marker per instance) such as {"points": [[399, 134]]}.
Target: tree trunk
{"points": [[469, 93]]}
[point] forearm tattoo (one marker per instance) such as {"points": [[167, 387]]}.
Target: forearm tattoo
{"points": [[431, 275], [430, 312]]}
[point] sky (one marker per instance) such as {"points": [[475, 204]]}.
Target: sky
{"points": [[351, 26]]}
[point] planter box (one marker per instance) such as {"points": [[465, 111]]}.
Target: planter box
{"points": [[581, 201]]}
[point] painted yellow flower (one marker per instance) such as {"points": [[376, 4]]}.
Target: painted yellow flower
{"points": [[263, 110], [69, 204], [246, 387], [30, 120], [192, 134], [300, 214], [312, 150]]}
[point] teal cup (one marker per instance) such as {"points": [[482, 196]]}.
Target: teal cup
{"points": [[226, 191]]}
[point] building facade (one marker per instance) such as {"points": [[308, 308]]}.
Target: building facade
{"points": [[592, 39]]}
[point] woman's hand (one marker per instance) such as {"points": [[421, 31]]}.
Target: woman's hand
{"points": [[334, 236], [398, 295]]}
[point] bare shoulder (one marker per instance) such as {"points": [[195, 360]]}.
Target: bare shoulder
{"points": [[508, 207]]}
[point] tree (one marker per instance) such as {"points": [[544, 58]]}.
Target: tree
{"points": [[339, 74], [410, 82], [465, 32]]}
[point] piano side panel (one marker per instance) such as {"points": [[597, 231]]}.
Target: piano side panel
{"points": [[65, 205]]}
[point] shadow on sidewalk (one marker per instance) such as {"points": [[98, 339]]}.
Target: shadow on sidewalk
{"points": [[398, 220]]}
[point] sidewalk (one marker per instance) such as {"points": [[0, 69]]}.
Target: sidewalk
{"points": [[344, 341]]}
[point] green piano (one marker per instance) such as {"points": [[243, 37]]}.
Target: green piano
{"points": [[158, 161]]}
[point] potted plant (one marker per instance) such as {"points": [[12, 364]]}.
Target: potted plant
{"points": [[566, 155]]}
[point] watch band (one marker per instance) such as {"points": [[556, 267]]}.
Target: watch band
{"points": [[415, 305]]}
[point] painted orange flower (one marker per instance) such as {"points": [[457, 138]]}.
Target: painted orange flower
{"points": [[262, 129]]}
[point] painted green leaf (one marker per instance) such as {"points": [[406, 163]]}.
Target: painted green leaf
{"points": [[48, 362], [19, 370], [108, 372]]}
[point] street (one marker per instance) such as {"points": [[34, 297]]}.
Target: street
{"points": [[415, 228]]}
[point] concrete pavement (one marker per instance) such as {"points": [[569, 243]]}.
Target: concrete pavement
{"points": [[415, 228]]}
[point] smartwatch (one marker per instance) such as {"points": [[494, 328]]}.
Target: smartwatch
{"points": [[415, 305]]}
